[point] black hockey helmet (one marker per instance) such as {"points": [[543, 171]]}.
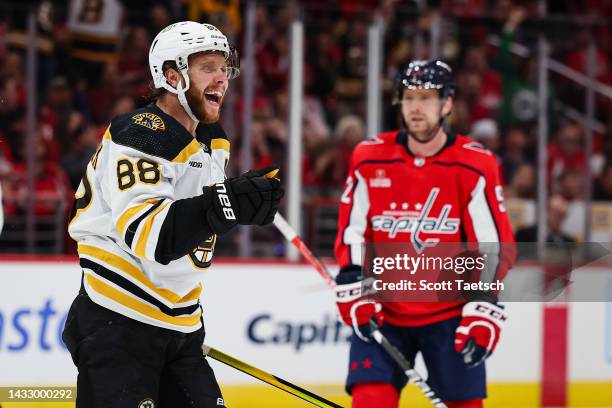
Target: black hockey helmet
{"points": [[433, 74]]}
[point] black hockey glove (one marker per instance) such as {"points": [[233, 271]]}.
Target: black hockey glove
{"points": [[251, 199]]}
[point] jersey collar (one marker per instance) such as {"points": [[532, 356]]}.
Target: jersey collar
{"points": [[402, 139]]}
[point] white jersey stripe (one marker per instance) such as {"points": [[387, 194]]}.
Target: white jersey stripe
{"points": [[485, 229], [358, 222], [480, 213]]}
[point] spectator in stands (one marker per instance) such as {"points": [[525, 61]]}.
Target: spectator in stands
{"points": [[577, 58], [519, 106], [52, 191], [12, 97], [555, 216], [349, 132], [320, 164], [513, 151], [603, 186], [75, 160], [488, 94], [6, 170], [324, 56], [486, 132], [123, 105], [160, 17], [261, 150], [103, 95], [273, 64], [523, 183], [570, 185], [133, 62], [352, 72], [460, 118], [60, 120], [566, 152]]}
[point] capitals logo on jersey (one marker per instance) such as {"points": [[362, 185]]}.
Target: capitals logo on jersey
{"points": [[419, 223]]}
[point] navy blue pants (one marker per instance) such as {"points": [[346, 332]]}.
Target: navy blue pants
{"points": [[448, 375]]}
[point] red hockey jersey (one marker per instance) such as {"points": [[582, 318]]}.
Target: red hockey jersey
{"points": [[457, 191]]}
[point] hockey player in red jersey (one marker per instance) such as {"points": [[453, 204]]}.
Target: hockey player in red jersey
{"points": [[396, 182]]}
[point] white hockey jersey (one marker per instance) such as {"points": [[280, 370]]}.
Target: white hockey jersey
{"points": [[139, 218]]}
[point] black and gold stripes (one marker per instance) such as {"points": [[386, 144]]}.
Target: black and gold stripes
{"points": [[122, 286], [135, 290], [133, 227]]}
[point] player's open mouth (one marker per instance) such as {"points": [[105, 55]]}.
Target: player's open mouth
{"points": [[213, 97]]}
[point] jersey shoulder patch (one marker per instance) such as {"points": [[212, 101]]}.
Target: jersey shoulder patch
{"points": [[151, 131], [467, 143], [382, 146], [471, 152]]}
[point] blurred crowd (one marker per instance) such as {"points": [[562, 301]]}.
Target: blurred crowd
{"points": [[84, 79]]}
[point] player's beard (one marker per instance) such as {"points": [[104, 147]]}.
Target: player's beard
{"points": [[197, 104], [424, 134]]}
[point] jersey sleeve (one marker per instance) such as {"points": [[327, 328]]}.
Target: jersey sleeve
{"points": [[486, 222], [147, 217], [352, 219]]}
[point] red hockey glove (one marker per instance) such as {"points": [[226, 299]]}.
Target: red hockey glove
{"points": [[354, 308], [479, 331]]}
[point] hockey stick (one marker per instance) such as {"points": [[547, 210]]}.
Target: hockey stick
{"points": [[291, 236], [405, 365], [273, 380]]}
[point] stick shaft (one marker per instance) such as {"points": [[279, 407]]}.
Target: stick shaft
{"points": [[268, 378], [405, 365], [291, 236]]}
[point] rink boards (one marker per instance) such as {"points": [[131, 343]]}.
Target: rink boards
{"points": [[281, 318]]}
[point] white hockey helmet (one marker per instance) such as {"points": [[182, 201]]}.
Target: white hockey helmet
{"points": [[177, 42]]}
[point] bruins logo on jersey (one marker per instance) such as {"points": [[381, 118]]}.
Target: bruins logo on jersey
{"points": [[201, 256], [149, 120]]}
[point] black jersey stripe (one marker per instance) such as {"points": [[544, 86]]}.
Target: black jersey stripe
{"points": [[135, 289], [133, 227]]}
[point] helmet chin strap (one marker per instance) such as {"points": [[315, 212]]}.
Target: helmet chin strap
{"points": [[181, 95]]}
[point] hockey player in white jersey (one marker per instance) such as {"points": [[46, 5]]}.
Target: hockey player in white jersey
{"points": [[146, 216]]}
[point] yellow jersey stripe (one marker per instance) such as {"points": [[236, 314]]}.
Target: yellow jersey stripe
{"points": [[129, 268], [193, 295], [141, 307], [130, 212], [219, 143], [141, 243], [192, 148], [107, 134]]}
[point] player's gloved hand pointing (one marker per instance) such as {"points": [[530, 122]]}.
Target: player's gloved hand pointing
{"points": [[479, 331], [251, 199], [354, 308]]}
